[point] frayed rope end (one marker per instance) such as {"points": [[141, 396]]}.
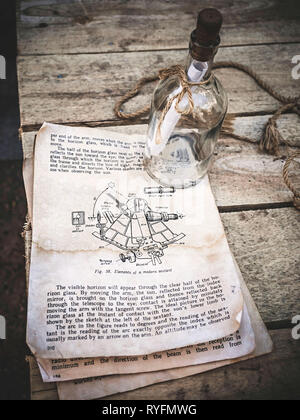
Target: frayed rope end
{"points": [[271, 138]]}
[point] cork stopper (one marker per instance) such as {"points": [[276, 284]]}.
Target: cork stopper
{"points": [[205, 38], [209, 23]]}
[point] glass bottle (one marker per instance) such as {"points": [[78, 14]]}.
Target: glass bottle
{"points": [[180, 146]]}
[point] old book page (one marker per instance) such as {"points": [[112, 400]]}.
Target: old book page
{"points": [[99, 387], [234, 346], [119, 265]]}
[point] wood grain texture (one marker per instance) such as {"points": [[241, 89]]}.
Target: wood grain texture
{"points": [[40, 390], [70, 26], [273, 376], [85, 87], [266, 245]]}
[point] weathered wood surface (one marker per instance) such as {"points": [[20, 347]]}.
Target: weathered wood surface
{"points": [[237, 165], [266, 246], [85, 87], [40, 390], [76, 58], [72, 26], [266, 377]]}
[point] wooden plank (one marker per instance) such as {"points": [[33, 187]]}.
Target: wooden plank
{"points": [[40, 390], [240, 175], [72, 26], [274, 376], [266, 246], [78, 88], [243, 176]]}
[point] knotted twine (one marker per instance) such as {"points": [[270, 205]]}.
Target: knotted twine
{"points": [[271, 138], [186, 85]]}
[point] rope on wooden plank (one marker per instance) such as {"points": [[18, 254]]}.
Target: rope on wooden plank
{"points": [[271, 138], [285, 173]]}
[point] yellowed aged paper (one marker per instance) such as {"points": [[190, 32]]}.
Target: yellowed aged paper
{"points": [[98, 387], [120, 267], [234, 346]]}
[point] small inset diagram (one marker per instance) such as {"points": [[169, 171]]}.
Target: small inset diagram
{"points": [[78, 218], [159, 190]]}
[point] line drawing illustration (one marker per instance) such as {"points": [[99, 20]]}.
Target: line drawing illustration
{"points": [[132, 226], [159, 190]]}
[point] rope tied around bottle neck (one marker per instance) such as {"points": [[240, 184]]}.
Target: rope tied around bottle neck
{"points": [[186, 85], [269, 141]]}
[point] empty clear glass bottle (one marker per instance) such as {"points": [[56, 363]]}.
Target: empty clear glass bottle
{"points": [[179, 148]]}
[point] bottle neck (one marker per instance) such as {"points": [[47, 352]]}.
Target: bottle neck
{"points": [[196, 70], [200, 58]]}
